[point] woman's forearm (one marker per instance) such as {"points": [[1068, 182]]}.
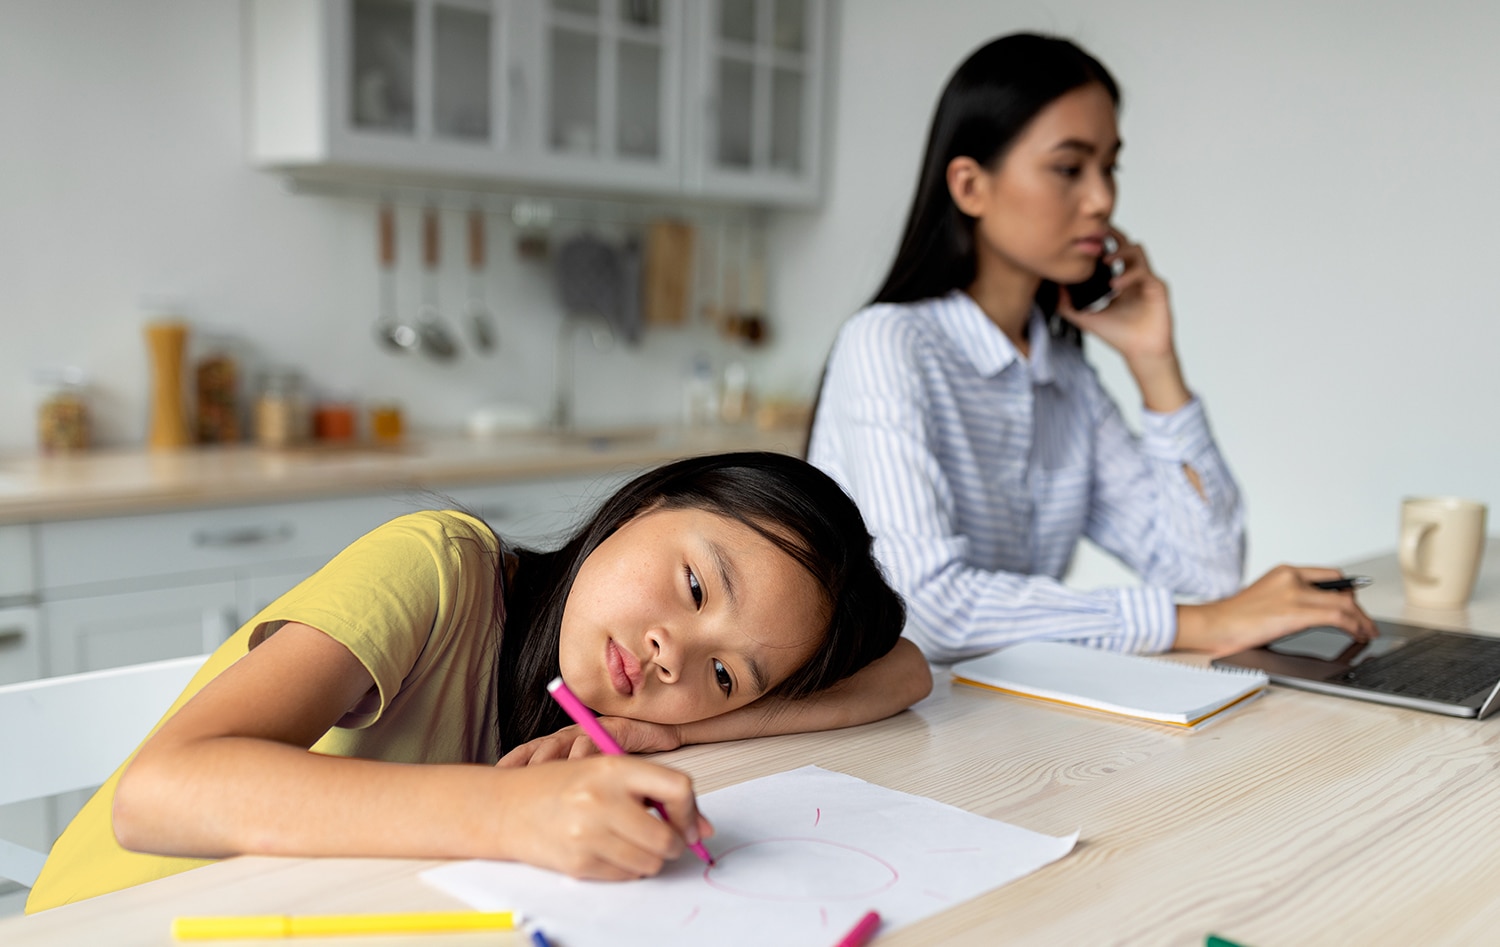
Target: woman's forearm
{"points": [[887, 686], [1163, 388]]}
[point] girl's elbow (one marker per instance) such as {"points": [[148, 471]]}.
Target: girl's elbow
{"points": [[131, 810], [916, 674]]}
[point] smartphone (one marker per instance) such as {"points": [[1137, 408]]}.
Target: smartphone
{"points": [[1094, 293]]}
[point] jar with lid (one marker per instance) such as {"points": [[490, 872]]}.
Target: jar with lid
{"points": [[216, 378], [280, 409], [333, 419], [386, 423], [62, 422]]}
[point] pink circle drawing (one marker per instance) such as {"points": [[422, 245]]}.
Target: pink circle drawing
{"points": [[799, 869]]}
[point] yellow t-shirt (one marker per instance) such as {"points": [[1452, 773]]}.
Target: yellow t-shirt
{"points": [[417, 602]]}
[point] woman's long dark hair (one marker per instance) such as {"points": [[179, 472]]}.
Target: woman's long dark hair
{"points": [[986, 104], [791, 503]]}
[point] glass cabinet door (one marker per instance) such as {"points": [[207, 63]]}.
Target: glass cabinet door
{"points": [[425, 70], [462, 71], [610, 91], [763, 69], [382, 66]]}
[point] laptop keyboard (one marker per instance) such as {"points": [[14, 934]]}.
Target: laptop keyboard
{"points": [[1441, 668]]}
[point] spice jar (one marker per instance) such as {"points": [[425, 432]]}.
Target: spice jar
{"points": [[62, 421], [385, 422], [216, 386], [333, 420], [280, 412]]}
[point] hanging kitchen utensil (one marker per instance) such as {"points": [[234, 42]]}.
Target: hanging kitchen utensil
{"points": [[480, 321], [666, 298], [592, 279], [392, 334], [436, 340]]}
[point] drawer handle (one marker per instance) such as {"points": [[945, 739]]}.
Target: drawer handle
{"points": [[11, 636], [242, 536]]}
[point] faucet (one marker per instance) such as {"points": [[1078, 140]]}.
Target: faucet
{"points": [[563, 386]]}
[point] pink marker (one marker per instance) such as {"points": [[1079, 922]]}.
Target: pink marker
{"points": [[585, 718], [862, 931]]}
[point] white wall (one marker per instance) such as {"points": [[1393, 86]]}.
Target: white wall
{"points": [[1314, 180], [1316, 183]]}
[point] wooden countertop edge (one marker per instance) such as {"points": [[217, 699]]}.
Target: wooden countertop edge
{"points": [[357, 472]]}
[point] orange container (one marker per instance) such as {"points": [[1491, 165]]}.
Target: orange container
{"points": [[333, 421], [169, 426], [385, 422]]}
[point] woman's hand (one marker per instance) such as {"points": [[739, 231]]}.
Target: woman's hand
{"points": [[1280, 602], [590, 818], [1137, 324], [571, 743]]}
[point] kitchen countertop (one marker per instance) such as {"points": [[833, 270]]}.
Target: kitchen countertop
{"points": [[121, 482]]}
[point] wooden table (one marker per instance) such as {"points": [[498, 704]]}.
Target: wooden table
{"points": [[1301, 819]]}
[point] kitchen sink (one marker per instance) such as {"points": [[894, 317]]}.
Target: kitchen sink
{"points": [[610, 438]]}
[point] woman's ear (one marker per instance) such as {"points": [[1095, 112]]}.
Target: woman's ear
{"points": [[968, 185]]}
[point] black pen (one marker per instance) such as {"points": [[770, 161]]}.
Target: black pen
{"points": [[1343, 584]]}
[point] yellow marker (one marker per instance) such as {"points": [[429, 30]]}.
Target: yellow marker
{"points": [[328, 925]]}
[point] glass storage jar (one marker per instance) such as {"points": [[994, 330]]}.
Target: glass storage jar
{"points": [[62, 420], [280, 410]]}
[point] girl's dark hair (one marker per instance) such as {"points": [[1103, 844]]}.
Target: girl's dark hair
{"points": [[987, 102], [797, 507]]}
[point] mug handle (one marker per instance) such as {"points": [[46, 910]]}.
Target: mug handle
{"points": [[1410, 551]]}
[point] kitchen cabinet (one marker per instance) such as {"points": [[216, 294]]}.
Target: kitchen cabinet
{"points": [[407, 86], [760, 65], [104, 631], [25, 823], [608, 92], [20, 645], [17, 573], [666, 98]]}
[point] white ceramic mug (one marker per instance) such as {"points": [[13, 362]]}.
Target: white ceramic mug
{"points": [[1442, 543]]}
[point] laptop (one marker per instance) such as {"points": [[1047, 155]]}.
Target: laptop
{"points": [[1446, 672]]}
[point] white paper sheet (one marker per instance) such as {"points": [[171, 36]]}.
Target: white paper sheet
{"points": [[801, 856]]}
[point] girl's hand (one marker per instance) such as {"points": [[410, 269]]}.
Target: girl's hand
{"points": [[590, 818], [1138, 325], [571, 743], [1280, 602]]}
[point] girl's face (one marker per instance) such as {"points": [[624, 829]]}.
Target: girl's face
{"points": [[685, 614], [1044, 209]]}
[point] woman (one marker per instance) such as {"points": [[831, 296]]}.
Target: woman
{"points": [[363, 712], [959, 411]]}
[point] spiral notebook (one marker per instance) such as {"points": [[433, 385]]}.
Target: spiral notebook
{"points": [[1130, 685]]}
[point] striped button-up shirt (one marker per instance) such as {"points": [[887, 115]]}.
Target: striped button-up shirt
{"points": [[978, 470]]}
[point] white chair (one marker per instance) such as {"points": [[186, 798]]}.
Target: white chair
{"points": [[61, 734]]}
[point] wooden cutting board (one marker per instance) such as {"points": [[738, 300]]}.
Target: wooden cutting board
{"points": [[667, 284]]}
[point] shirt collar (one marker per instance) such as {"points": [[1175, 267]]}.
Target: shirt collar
{"points": [[986, 347]]}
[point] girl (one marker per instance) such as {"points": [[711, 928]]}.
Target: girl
{"points": [[959, 411], [714, 598]]}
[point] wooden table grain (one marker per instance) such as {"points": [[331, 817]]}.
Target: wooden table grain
{"points": [[1299, 819]]}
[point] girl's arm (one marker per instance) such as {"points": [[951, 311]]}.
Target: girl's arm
{"points": [[230, 773], [887, 686]]}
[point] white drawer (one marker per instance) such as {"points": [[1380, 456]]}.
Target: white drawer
{"points": [[17, 573], [125, 548], [20, 645]]}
